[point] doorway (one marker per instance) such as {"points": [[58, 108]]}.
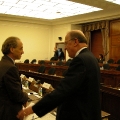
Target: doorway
{"points": [[96, 43]]}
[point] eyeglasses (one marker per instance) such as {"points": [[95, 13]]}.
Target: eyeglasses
{"points": [[68, 41]]}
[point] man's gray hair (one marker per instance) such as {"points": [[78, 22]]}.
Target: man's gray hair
{"points": [[10, 42]]}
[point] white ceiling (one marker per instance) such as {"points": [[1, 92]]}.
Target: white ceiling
{"points": [[46, 9], [53, 9], [108, 10]]}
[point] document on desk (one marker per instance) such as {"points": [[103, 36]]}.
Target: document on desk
{"points": [[48, 116], [33, 116], [33, 97]]}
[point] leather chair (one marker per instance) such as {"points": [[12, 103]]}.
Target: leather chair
{"points": [[118, 62], [110, 61], [118, 68], [26, 61], [41, 62], [33, 61], [51, 71], [41, 69], [106, 66], [59, 63]]}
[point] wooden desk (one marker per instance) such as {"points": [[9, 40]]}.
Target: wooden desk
{"points": [[35, 67], [110, 102], [112, 66], [110, 77], [48, 62], [104, 115]]}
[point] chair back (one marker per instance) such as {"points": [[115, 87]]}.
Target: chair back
{"points": [[59, 63], [51, 71], [110, 61], [118, 62], [42, 62], [33, 61], [53, 59], [41, 69], [106, 66], [26, 61], [118, 68]]}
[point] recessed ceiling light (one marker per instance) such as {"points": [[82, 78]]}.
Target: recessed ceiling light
{"points": [[58, 12]]}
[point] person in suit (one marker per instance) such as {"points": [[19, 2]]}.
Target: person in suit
{"points": [[77, 97], [12, 98], [61, 55]]}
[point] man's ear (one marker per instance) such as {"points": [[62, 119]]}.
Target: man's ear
{"points": [[11, 50], [76, 42]]}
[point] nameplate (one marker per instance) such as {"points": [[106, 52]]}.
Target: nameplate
{"points": [[22, 76], [35, 85], [46, 85], [30, 79]]}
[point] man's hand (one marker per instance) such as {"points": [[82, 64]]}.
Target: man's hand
{"points": [[24, 113]]}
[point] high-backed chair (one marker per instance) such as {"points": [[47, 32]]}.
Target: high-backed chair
{"points": [[41, 62], [41, 69], [110, 61], [33, 61], [53, 59], [118, 68], [59, 63], [106, 66], [118, 62], [51, 71], [26, 61]]}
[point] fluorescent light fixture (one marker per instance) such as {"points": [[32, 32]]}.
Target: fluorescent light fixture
{"points": [[45, 9], [114, 1]]}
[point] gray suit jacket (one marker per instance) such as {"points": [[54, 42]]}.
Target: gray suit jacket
{"points": [[78, 95], [11, 95]]}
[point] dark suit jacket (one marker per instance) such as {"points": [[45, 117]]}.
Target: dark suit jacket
{"points": [[61, 56], [77, 95], [11, 96]]}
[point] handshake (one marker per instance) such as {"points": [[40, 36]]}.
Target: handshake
{"points": [[22, 114]]}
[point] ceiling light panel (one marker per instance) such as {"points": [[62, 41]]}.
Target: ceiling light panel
{"points": [[114, 1], [46, 9]]}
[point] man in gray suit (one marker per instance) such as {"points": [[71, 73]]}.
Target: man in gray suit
{"points": [[77, 95], [12, 98]]}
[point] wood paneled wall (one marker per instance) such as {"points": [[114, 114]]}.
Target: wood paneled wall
{"points": [[114, 52]]}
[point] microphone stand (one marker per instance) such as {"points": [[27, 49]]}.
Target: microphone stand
{"points": [[105, 55]]}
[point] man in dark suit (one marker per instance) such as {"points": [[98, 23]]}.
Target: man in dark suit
{"points": [[61, 55], [12, 98], [77, 95]]}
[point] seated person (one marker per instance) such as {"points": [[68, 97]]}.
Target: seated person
{"points": [[101, 58]]}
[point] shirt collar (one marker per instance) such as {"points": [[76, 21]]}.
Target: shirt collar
{"points": [[79, 51], [11, 59]]}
